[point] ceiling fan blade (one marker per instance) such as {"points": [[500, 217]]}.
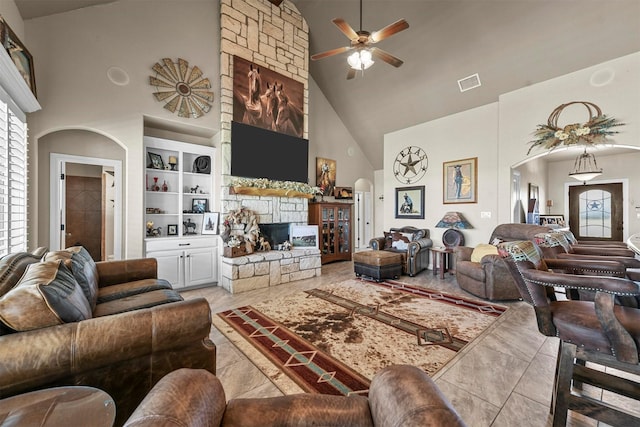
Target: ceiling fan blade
{"points": [[388, 31], [386, 57], [345, 28], [351, 74], [330, 53]]}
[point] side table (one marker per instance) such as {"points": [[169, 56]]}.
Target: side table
{"points": [[59, 407], [442, 260]]}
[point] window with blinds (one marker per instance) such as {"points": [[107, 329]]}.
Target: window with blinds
{"points": [[13, 182]]}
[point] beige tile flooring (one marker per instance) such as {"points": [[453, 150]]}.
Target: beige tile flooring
{"points": [[503, 378]]}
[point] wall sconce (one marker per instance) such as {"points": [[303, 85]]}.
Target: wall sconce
{"points": [[381, 198]]}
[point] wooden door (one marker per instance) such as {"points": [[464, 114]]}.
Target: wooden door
{"points": [[595, 211], [84, 214]]}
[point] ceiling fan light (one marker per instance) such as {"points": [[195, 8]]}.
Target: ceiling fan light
{"points": [[360, 59]]}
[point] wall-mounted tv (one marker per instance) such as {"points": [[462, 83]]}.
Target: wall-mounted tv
{"points": [[261, 153]]}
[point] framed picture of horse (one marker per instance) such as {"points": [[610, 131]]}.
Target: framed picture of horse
{"points": [[410, 202], [460, 181], [326, 175], [267, 99]]}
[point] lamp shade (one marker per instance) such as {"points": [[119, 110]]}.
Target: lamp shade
{"points": [[454, 220]]}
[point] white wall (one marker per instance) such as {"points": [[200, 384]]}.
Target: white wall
{"points": [[522, 110], [472, 133], [498, 134]]}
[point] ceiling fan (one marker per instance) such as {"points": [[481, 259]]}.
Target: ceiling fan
{"points": [[361, 42]]}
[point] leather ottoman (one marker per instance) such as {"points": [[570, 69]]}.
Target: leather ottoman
{"points": [[378, 265]]}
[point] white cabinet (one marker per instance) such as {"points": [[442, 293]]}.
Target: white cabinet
{"points": [[178, 200]]}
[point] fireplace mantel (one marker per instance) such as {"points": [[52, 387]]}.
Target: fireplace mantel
{"points": [[275, 192]]}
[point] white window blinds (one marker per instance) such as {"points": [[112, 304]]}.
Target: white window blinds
{"points": [[13, 182]]}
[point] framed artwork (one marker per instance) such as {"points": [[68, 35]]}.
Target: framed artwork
{"points": [[156, 161], [553, 221], [172, 229], [259, 89], [326, 175], [460, 181], [199, 205], [304, 236], [18, 54], [410, 202], [210, 223], [343, 193]]}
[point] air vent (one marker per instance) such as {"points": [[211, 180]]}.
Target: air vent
{"points": [[469, 83]]}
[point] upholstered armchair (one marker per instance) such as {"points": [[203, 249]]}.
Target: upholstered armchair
{"points": [[489, 277], [598, 331], [411, 242]]}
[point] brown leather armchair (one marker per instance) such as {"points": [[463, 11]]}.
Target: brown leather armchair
{"points": [[598, 331], [399, 395], [415, 257], [490, 278]]}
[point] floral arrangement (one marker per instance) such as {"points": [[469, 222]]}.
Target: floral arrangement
{"points": [[594, 131], [267, 183]]}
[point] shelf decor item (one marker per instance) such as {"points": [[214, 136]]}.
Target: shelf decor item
{"points": [[19, 55], [156, 161]]}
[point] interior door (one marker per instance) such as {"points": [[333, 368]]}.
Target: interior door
{"points": [[595, 211]]}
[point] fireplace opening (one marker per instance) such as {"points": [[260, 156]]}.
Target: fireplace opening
{"points": [[275, 233]]}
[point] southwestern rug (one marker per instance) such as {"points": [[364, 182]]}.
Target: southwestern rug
{"points": [[333, 339]]}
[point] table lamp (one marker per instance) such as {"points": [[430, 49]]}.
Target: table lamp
{"points": [[454, 221]]}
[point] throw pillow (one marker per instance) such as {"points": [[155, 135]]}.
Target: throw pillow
{"points": [[388, 240], [79, 261], [496, 241], [46, 295], [400, 241], [481, 250]]}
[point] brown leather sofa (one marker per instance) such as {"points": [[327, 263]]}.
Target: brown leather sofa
{"points": [[399, 395], [413, 245], [138, 330], [490, 278]]}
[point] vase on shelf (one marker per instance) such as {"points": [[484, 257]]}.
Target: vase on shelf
{"points": [[165, 187], [155, 187]]}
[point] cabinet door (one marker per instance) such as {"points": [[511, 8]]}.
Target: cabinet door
{"points": [[170, 266], [200, 267]]}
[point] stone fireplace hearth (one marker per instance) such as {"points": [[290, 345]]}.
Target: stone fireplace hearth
{"points": [[263, 269]]}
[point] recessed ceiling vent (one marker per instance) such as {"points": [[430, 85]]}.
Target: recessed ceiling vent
{"points": [[469, 83]]}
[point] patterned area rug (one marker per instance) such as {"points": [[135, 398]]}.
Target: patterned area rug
{"points": [[333, 339]]}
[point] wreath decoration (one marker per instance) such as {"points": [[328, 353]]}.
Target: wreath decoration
{"points": [[594, 131]]}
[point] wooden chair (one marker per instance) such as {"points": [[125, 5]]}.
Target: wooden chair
{"points": [[591, 332]]}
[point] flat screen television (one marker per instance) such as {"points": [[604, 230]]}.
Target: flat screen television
{"points": [[262, 153]]}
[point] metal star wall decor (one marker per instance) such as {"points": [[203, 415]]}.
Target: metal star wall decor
{"points": [[181, 88], [410, 165]]}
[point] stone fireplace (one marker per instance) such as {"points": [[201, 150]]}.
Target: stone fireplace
{"points": [[276, 38]]}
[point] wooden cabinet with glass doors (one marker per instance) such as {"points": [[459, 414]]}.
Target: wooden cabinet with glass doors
{"points": [[334, 230]]}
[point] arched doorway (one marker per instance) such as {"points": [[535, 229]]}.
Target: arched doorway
{"points": [[84, 149]]}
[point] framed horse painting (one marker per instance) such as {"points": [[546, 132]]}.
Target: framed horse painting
{"points": [[266, 99], [460, 181]]}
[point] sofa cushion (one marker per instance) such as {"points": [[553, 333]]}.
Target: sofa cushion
{"points": [[46, 295], [401, 241], [137, 302], [481, 250], [79, 261], [388, 239], [122, 290]]}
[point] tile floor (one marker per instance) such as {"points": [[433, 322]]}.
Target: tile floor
{"points": [[503, 378]]}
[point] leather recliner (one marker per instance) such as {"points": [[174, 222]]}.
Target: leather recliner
{"points": [[490, 278]]}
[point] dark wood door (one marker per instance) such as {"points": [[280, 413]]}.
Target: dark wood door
{"points": [[84, 214], [595, 211]]}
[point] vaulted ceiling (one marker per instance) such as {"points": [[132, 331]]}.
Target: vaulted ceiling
{"points": [[509, 43]]}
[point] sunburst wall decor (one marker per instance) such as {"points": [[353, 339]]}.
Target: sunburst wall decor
{"points": [[183, 89]]}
